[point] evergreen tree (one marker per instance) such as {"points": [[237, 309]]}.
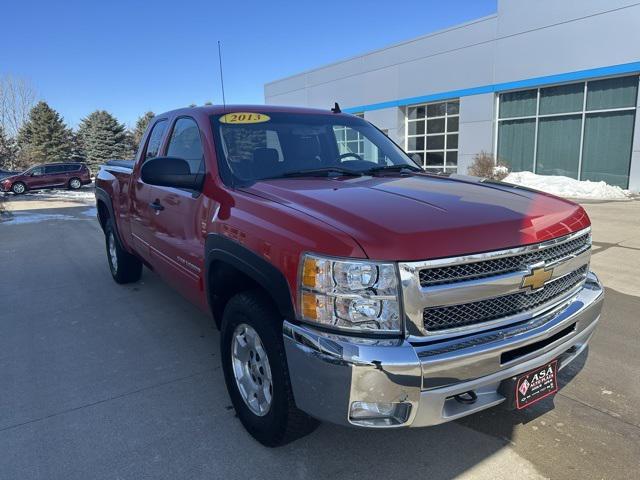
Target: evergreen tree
{"points": [[102, 138], [131, 147], [7, 151], [44, 137], [141, 126], [77, 151]]}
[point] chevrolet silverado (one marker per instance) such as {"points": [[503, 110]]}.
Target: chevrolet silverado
{"points": [[348, 284]]}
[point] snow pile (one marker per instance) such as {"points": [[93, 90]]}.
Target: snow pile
{"points": [[568, 187], [500, 170]]}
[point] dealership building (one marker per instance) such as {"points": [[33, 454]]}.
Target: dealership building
{"points": [[549, 86]]}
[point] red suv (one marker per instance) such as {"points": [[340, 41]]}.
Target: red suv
{"points": [[51, 175]]}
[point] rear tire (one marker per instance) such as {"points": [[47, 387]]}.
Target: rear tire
{"points": [[281, 421], [18, 188], [124, 267], [75, 184]]}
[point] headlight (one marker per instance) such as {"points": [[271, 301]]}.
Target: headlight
{"points": [[353, 295]]}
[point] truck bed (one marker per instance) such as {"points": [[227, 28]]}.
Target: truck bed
{"points": [[120, 163]]}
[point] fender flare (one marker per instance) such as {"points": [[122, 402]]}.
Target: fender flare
{"points": [[272, 280], [103, 196]]}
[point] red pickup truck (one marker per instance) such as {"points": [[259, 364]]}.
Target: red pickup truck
{"points": [[349, 285]]}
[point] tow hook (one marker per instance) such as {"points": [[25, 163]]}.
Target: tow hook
{"points": [[468, 398]]}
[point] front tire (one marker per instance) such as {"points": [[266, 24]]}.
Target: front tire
{"points": [[18, 188], [256, 372], [124, 267], [74, 184]]}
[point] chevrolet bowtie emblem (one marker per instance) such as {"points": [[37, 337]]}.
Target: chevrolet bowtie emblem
{"points": [[536, 279]]}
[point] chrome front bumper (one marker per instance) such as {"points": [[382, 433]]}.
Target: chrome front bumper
{"points": [[329, 372]]}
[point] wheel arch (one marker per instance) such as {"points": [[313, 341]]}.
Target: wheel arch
{"points": [[231, 268], [104, 206]]}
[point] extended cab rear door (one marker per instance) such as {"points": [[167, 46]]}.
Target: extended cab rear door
{"points": [[177, 218], [141, 212]]}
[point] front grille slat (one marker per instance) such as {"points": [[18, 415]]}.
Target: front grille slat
{"points": [[487, 268], [455, 316]]}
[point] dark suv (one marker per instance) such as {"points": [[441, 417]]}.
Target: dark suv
{"points": [[50, 175]]}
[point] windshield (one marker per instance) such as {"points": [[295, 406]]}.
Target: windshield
{"points": [[280, 144]]}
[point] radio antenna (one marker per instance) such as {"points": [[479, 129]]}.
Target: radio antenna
{"points": [[224, 102]]}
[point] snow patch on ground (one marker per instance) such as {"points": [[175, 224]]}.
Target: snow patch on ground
{"points": [[23, 218], [568, 187], [82, 194]]}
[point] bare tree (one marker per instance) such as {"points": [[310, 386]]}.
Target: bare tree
{"points": [[17, 97]]}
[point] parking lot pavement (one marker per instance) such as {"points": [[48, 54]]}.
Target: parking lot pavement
{"points": [[106, 381]]}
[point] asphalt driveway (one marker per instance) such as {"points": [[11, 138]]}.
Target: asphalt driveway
{"points": [[100, 381]]}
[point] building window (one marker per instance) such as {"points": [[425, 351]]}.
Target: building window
{"points": [[432, 134], [580, 130], [349, 140]]}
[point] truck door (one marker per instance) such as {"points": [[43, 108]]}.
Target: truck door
{"points": [[179, 218], [141, 213]]}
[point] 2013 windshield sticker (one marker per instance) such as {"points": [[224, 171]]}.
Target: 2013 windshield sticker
{"points": [[244, 117]]}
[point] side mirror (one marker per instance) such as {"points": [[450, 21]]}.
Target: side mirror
{"points": [[170, 172]]}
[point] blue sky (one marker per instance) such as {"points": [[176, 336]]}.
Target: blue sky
{"points": [[129, 57]]}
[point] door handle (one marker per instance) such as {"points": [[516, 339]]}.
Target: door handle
{"points": [[156, 205]]}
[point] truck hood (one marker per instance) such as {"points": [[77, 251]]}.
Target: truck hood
{"points": [[420, 217]]}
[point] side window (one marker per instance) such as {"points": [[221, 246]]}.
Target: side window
{"points": [[185, 143], [51, 169], [36, 172], [155, 139]]}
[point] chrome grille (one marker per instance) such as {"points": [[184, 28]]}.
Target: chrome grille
{"points": [[455, 316], [487, 268]]}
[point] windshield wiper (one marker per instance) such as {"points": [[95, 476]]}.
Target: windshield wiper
{"points": [[318, 172], [393, 168]]}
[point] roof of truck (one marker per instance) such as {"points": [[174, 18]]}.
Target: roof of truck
{"points": [[220, 109]]}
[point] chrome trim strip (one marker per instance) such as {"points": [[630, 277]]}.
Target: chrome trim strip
{"points": [[479, 257]]}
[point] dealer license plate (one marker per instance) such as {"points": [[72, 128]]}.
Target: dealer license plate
{"points": [[533, 386]]}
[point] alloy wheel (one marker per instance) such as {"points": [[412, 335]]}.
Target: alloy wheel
{"points": [[251, 369], [113, 254]]}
